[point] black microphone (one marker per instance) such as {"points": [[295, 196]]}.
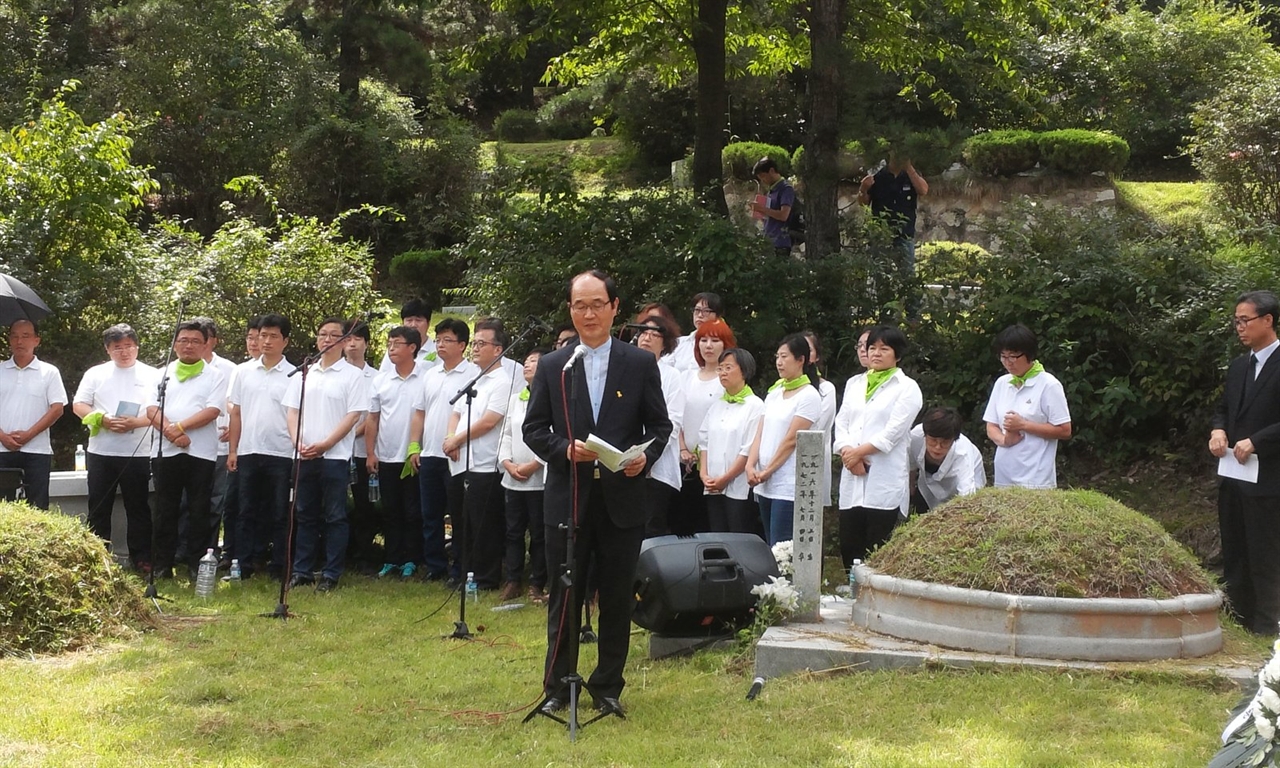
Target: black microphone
{"points": [[756, 685], [578, 353], [539, 324]]}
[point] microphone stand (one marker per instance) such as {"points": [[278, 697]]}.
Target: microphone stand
{"points": [[151, 593], [460, 527], [282, 611]]}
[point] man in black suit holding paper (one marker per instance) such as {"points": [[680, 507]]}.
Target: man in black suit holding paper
{"points": [[1247, 424], [616, 395]]}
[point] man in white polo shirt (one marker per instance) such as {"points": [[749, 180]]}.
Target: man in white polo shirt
{"points": [[195, 395], [322, 423], [427, 432], [416, 314], [112, 401], [259, 451], [471, 443], [386, 436], [32, 398], [225, 505]]}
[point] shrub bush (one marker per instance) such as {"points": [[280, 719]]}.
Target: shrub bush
{"points": [[571, 115], [951, 263], [425, 274], [655, 118], [1002, 153], [60, 591], [1234, 147], [1077, 151], [740, 157], [517, 125]]}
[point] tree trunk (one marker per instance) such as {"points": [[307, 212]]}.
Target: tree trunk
{"points": [[708, 142], [822, 175], [349, 53]]}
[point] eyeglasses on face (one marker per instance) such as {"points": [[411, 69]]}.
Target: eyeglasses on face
{"points": [[1009, 357], [1241, 322], [583, 307]]}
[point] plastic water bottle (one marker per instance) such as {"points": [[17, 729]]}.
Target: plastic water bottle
{"points": [[473, 589], [80, 461], [235, 569], [352, 477], [853, 580], [207, 576], [375, 489]]}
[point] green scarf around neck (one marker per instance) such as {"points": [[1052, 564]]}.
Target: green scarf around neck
{"points": [[1035, 370], [186, 371], [740, 397], [876, 378], [790, 384]]}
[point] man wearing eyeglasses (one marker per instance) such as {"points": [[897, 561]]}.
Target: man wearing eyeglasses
{"points": [[1246, 429], [707, 306], [617, 395]]}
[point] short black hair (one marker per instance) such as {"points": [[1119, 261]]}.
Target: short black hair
{"points": [[1017, 338], [610, 287], [210, 327], [254, 324], [459, 329], [357, 328], [119, 332], [1263, 303], [539, 351], [764, 165], [342, 323], [713, 300], [194, 324], [415, 308], [890, 335], [279, 322], [744, 360], [500, 335], [410, 336], [942, 422]]}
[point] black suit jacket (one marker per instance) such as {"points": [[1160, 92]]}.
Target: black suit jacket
{"points": [[1256, 417], [631, 412]]}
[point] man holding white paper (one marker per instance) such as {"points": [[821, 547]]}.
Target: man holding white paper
{"points": [[1246, 430]]}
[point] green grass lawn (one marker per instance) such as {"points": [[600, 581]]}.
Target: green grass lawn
{"points": [[1173, 204], [360, 677]]}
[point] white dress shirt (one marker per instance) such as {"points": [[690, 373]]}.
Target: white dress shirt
{"points": [[884, 421], [492, 396], [727, 432], [666, 469], [779, 411], [513, 448], [960, 473], [1031, 462]]}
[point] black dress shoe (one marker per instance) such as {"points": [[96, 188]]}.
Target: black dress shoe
{"points": [[301, 580], [327, 585], [607, 705], [553, 705]]}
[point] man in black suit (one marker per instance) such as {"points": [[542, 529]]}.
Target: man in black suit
{"points": [[616, 395], [1247, 423]]}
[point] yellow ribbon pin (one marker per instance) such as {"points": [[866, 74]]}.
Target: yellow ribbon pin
{"points": [[619, 393]]}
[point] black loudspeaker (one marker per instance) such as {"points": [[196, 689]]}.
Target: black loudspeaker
{"points": [[695, 585]]}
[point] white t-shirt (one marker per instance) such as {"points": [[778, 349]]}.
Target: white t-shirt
{"points": [[360, 452], [826, 423], [681, 358], [427, 358], [513, 448], [228, 371], [698, 398], [26, 394], [438, 388], [259, 393], [184, 399], [332, 394], [1031, 462], [727, 432], [778, 413], [392, 398], [960, 473], [104, 387], [666, 469], [493, 395]]}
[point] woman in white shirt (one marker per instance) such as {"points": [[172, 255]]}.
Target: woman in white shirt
{"points": [[793, 404], [946, 462], [827, 419], [522, 482], [872, 438], [664, 477], [702, 387], [724, 441], [1027, 414]]}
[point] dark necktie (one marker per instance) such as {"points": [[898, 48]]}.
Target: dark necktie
{"points": [[1252, 375]]}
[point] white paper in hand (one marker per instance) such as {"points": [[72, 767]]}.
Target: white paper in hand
{"points": [[612, 458], [1229, 467]]}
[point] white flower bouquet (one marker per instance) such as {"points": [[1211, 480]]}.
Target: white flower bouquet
{"points": [[1250, 737], [782, 552]]}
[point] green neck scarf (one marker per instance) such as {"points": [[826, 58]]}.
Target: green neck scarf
{"points": [[431, 357], [524, 394], [790, 384], [186, 371], [1035, 370], [876, 378], [740, 397]]}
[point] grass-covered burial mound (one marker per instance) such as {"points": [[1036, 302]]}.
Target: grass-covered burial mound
{"points": [[59, 589], [1048, 543]]}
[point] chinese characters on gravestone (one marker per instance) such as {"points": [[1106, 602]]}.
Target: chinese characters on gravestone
{"points": [[811, 461]]}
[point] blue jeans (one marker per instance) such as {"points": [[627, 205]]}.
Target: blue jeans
{"points": [[322, 502], [776, 516], [433, 486]]}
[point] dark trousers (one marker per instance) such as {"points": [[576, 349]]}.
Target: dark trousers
{"points": [[176, 475], [365, 522], [35, 475], [433, 483], [726, 515], [689, 507], [524, 513], [225, 500], [660, 498], [484, 527], [862, 529], [130, 474], [1250, 527], [264, 508], [401, 515], [616, 551], [322, 508]]}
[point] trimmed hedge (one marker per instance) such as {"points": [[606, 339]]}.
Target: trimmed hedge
{"points": [[517, 125], [1077, 151], [946, 262], [739, 157], [1002, 153]]}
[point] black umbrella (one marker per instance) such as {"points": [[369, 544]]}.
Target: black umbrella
{"points": [[18, 302]]}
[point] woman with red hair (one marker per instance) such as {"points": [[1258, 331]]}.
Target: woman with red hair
{"points": [[702, 387]]}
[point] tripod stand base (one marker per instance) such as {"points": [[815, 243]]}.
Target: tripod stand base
{"points": [[281, 612], [570, 720], [460, 632]]}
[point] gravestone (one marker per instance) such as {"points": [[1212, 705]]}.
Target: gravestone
{"points": [[806, 540]]}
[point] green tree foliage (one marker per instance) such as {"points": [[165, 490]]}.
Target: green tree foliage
{"points": [[1237, 148], [1077, 151], [740, 156], [1002, 153]]}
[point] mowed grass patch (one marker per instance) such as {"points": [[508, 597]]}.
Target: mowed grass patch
{"points": [[1172, 204], [360, 677], [1051, 543]]}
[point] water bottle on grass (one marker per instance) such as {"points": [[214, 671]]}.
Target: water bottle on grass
{"points": [[473, 589], [207, 575]]}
